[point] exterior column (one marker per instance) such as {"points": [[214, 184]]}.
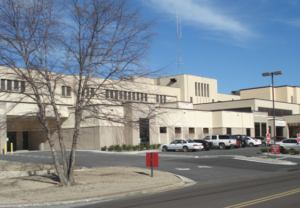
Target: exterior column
{"points": [[3, 129]]}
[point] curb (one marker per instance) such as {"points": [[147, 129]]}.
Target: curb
{"points": [[278, 162], [126, 153]]}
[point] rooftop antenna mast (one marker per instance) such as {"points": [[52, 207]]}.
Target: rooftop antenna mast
{"points": [[179, 35]]}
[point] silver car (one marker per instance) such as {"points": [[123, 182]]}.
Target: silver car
{"points": [[289, 143], [182, 144]]}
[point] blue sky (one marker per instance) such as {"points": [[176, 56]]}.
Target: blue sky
{"points": [[228, 40]]}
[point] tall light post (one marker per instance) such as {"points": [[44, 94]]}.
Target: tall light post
{"points": [[272, 74]]}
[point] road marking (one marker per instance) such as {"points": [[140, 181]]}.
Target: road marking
{"points": [[197, 157], [256, 201], [182, 168], [204, 167]]}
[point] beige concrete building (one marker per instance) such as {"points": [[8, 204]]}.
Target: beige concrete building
{"points": [[186, 106]]}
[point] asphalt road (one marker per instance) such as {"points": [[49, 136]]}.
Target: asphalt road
{"points": [[218, 179]]}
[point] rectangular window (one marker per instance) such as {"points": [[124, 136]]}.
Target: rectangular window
{"points": [[207, 90], [201, 89], [111, 94], [8, 85], [2, 84], [248, 131], [116, 94], [191, 130], [162, 130], [16, 86], [263, 129], [157, 98], [165, 98], [195, 88], [292, 99], [146, 97], [142, 97], [204, 90], [257, 129], [198, 88], [191, 99], [68, 91], [177, 130], [22, 86], [133, 96], [137, 96], [205, 131], [106, 93], [63, 91], [92, 92], [121, 95], [129, 95], [125, 95], [223, 137], [87, 92], [228, 130]]}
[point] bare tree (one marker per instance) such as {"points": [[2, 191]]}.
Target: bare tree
{"points": [[98, 43]]}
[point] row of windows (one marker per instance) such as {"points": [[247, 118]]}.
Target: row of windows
{"points": [[161, 98], [201, 89], [12, 85], [163, 130], [124, 95]]}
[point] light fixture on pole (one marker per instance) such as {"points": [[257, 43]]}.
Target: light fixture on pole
{"points": [[272, 74]]}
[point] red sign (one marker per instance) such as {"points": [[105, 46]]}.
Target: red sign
{"points": [[275, 149], [298, 137], [268, 138], [154, 159]]}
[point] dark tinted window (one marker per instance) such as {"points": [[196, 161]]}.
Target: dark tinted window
{"points": [[294, 141], [223, 136]]}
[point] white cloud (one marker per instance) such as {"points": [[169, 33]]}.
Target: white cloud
{"points": [[202, 14], [294, 22]]}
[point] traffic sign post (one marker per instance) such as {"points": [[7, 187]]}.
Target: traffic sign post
{"points": [[275, 149], [152, 161], [268, 140]]}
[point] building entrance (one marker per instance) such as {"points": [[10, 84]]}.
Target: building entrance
{"points": [[12, 139], [279, 131]]}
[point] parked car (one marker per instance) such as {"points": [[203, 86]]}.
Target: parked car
{"points": [[289, 143], [277, 139], [182, 144], [241, 139], [253, 142], [222, 141], [263, 140], [206, 144]]}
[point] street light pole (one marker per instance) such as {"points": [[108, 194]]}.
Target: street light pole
{"points": [[273, 98]]}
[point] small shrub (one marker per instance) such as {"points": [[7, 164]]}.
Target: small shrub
{"points": [[135, 148], [158, 146], [148, 146], [296, 152], [129, 147], [286, 151], [142, 147], [119, 148], [292, 150], [124, 146], [264, 150], [111, 148], [153, 146], [103, 148]]}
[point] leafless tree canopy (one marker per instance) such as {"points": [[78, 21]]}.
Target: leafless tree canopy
{"points": [[44, 41]]}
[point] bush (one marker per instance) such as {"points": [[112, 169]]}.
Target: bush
{"points": [[135, 148], [124, 146], [264, 150], [103, 148], [142, 147], [148, 146], [111, 148], [158, 146], [153, 146], [129, 147], [296, 152], [286, 151], [119, 148], [292, 150]]}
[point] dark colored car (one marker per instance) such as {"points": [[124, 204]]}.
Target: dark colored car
{"points": [[241, 139], [263, 140], [206, 145]]}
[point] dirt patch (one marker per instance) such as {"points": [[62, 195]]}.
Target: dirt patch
{"points": [[16, 166], [99, 183]]}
